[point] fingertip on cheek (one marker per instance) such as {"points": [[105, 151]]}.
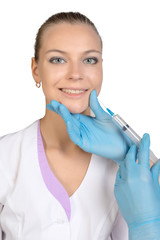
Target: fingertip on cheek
{"points": [[49, 106], [52, 102]]}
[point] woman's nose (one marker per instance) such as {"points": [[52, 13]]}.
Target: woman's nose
{"points": [[75, 71]]}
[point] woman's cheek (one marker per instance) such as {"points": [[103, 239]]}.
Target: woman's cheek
{"points": [[97, 82]]}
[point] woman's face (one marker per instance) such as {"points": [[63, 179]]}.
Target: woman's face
{"points": [[70, 57]]}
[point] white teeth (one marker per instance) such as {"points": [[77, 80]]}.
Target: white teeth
{"points": [[72, 91]]}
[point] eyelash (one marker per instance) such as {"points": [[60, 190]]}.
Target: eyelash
{"points": [[55, 58]]}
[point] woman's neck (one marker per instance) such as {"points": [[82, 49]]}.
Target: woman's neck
{"points": [[54, 132]]}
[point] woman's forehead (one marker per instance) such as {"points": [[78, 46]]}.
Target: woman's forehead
{"points": [[77, 35]]}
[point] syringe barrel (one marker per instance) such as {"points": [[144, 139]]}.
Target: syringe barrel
{"points": [[131, 134], [127, 129], [152, 157]]}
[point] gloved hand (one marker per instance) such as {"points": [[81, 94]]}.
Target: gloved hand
{"points": [[97, 135], [137, 192]]}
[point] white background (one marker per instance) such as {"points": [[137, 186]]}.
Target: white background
{"points": [[130, 31]]}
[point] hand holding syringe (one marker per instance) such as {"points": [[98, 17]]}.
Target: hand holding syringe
{"points": [[128, 131]]}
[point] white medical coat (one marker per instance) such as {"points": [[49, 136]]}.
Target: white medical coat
{"points": [[29, 210]]}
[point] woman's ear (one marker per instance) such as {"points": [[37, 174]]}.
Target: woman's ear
{"points": [[34, 68]]}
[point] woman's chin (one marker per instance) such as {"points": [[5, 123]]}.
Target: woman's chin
{"points": [[85, 111], [74, 111]]}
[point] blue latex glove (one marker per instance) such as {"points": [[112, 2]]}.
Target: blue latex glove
{"points": [[97, 135], [137, 192]]}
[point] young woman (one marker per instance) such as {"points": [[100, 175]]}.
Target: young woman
{"points": [[50, 186]]}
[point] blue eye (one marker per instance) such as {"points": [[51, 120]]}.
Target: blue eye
{"points": [[57, 60], [92, 60]]}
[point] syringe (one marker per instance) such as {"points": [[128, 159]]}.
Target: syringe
{"points": [[129, 131]]}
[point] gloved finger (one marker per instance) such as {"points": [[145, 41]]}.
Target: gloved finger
{"points": [[67, 116], [61, 110], [143, 155], [72, 124], [75, 135], [100, 114], [117, 185], [155, 170], [76, 116], [131, 156], [53, 106], [127, 139], [123, 171], [118, 178]]}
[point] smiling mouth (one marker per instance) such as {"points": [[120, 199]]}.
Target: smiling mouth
{"points": [[72, 93], [73, 89]]}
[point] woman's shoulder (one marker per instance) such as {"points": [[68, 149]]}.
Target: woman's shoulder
{"points": [[11, 145], [13, 138]]}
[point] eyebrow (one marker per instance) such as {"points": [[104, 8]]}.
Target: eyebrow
{"points": [[60, 51]]}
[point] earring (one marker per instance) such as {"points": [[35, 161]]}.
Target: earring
{"points": [[38, 84]]}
